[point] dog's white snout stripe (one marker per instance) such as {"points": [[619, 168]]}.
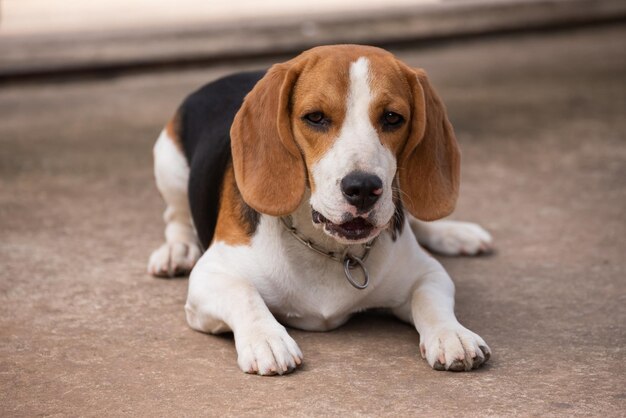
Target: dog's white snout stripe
{"points": [[357, 149]]}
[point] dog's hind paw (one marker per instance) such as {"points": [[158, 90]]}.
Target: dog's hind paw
{"points": [[456, 238], [173, 259]]}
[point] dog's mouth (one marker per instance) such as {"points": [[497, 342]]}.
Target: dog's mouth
{"points": [[356, 229]]}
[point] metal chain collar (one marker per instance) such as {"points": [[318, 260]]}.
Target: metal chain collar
{"points": [[349, 261]]}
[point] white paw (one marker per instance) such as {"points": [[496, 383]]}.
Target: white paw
{"points": [[454, 348], [458, 238], [267, 350], [173, 259]]}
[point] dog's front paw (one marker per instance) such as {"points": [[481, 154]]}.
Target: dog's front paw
{"points": [[458, 238], [173, 259], [454, 348], [267, 350]]}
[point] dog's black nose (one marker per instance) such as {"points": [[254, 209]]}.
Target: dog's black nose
{"points": [[361, 190]]}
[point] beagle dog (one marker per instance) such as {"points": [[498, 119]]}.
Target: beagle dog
{"points": [[298, 196]]}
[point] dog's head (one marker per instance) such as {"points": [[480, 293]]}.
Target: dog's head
{"points": [[356, 125]]}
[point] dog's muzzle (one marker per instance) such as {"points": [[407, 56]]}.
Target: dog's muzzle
{"points": [[356, 229]]}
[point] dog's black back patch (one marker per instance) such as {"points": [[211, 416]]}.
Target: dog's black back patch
{"points": [[205, 118]]}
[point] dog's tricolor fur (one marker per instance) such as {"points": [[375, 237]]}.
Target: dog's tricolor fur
{"points": [[250, 148]]}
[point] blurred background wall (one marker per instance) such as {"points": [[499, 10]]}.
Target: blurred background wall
{"points": [[44, 16], [39, 38]]}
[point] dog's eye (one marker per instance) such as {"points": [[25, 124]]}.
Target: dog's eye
{"points": [[314, 117], [391, 120], [317, 120]]}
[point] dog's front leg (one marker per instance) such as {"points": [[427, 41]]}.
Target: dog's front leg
{"points": [[218, 303], [444, 342]]}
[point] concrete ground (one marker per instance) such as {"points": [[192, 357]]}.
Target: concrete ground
{"points": [[84, 331]]}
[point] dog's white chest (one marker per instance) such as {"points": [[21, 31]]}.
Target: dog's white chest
{"points": [[307, 290], [311, 292]]}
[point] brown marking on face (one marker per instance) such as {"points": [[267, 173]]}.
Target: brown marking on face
{"points": [[236, 221], [322, 87], [172, 129], [391, 92]]}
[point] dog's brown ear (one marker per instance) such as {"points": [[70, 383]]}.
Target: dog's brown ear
{"points": [[269, 168], [429, 163]]}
